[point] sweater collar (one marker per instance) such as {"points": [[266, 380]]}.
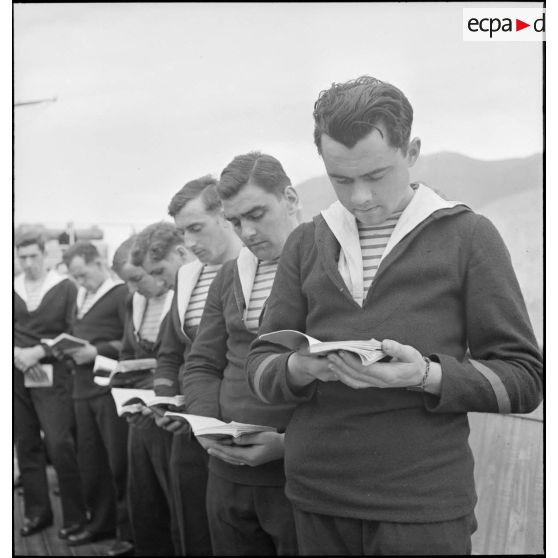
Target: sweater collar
{"points": [[139, 305], [186, 281], [52, 278], [105, 287], [247, 267], [343, 225]]}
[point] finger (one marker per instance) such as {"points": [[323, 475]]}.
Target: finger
{"points": [[247, 440], [403, 353], [174, 426], [338, 365], [216, 452]]}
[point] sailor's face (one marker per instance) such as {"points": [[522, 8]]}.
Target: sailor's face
{"points": [[138, 280], [370, 179], [88, 275], [31, 260], [262, 220]]}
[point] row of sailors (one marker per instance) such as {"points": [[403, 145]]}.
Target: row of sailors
{"points": [[364, 470]]}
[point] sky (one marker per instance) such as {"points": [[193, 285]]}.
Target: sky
{"points": [[149, 96]]}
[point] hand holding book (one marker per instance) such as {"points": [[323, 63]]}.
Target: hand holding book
{"points": [[369, 350]]}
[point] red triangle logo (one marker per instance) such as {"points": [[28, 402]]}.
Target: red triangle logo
{"points": [[519, 25]]}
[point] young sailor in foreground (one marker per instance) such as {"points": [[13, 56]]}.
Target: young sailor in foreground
{"points": [[377, 457]]}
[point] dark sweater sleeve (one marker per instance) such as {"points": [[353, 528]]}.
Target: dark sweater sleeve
{"points": [[71, 294], [203, 369], [170, 353], [286, 308], [128, 352], [504, 371], [111, 348]]}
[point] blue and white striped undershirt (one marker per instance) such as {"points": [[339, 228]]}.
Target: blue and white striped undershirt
{"points": [[263, 282], [373, 242], [194, 312], [33, 292], [151, 318]]}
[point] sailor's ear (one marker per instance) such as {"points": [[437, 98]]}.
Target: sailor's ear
{"points": [[413, 151]]}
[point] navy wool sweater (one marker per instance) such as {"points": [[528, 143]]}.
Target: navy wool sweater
{"points": [[393, 454], [103, 327], [214, 382], [52, 317], [172, 348]]}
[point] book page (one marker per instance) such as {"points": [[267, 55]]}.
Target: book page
{"points": [[289, 338], [123, 395], [29, 382]]}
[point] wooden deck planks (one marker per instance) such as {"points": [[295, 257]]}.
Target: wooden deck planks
{"points": [[508, 452], [47, 543]]}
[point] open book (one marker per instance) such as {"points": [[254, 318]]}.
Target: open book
{"points": [[65, 342], [216, 429], [369, 351], [129, 401], [47, 381], [108, 371]]}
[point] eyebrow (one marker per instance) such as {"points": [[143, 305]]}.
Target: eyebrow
{"points": [[371, 173]]}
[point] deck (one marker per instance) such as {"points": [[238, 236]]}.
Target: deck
{"points": [[47, 543], [509, 475]]}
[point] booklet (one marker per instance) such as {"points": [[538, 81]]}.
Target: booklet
{"points": [[133, 400], [113, 372], [29, 382], [65, 342], [369, 351], [216, 429]]}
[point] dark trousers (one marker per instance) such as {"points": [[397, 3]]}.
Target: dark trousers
{"points": [[149, 494], [188, 467], [102, 440], [249, 520], [328, 535], [50, 410]]}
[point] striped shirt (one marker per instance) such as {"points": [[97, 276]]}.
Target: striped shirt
{"points": [[33, 292], [373, 242], [194, 312], [152, 317], [260, 291]]}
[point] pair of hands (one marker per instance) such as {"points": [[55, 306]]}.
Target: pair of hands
{"points": [[406, 369], [250, 449], [81, 355], [27, 359]]}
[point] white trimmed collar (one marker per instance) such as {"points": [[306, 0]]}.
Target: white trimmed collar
{"points": [[105, 287], [342, 224], [186, 281], [139, 304], [247, 265], [52, 278]]}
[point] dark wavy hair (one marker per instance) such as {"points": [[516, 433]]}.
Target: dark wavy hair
{"points": [[122, 253], [156, 240], [206, 186], [347, 112], [30, 237], [84, 249], [263, 170]]}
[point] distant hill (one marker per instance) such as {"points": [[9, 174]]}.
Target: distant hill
{"points": [[456, 176]]}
